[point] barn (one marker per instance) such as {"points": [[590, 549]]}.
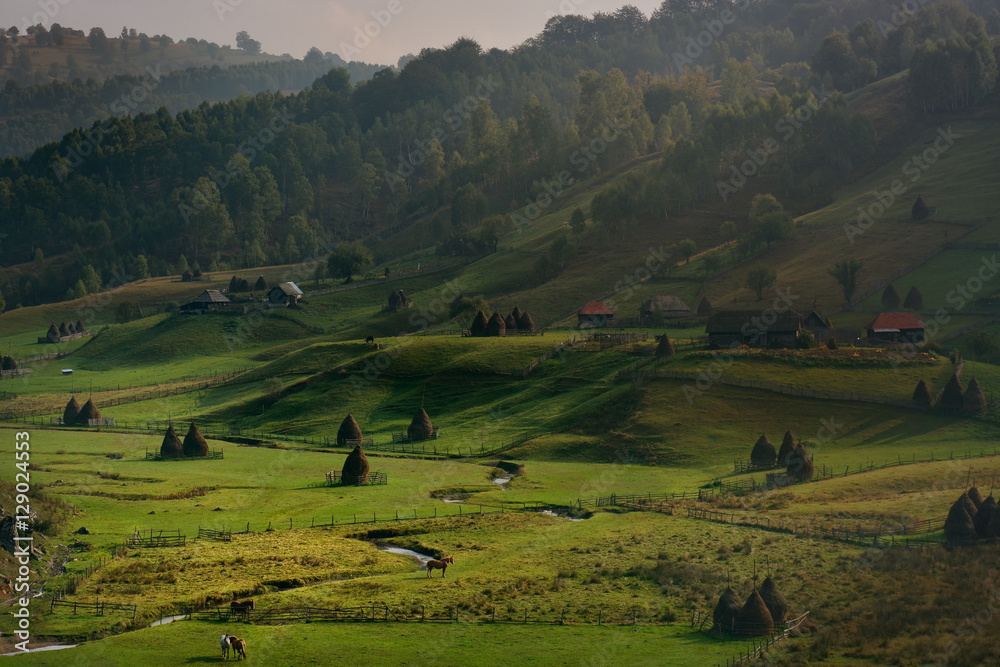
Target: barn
{"points": [[594, 314], [658, 309], [895, 328], [733, 328], [284, 294], [208, 301]]}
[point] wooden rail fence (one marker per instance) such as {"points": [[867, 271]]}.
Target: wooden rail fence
{"points": [[98, 608]]}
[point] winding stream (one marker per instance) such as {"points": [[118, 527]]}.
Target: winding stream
{"points": [[419, 557]]}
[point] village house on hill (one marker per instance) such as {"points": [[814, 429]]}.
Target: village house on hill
{"points": [[664, 307], [594, 314], [895, 328], [284, 294], [208, 301], [732, 328]]}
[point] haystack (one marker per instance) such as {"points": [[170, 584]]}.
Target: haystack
{"points": [[234, 284], [9, 364], [196, 274], [52, 332], [787, 448], [478, 327], [959, 527], [922, 394], [984, 516], [665, 348], [993, 529], [754, 619], [968, 504], [496, 326], [951, 398], [704, 308], [914, 299], [510, 322], [79, 326], [355, 470], [71, 328], [525, 323], [919, 210], [890, 298], [172, 447], [775, 601], [976, 496], [973, 400], [87, 412], [260, 285], [194, 442], [63, 331], [725, 612], [244, 285], [186, 276], [349, 430], [420, 428], [800, 464], [516, 314], [71, 412], [763, 454], [831, 344]]}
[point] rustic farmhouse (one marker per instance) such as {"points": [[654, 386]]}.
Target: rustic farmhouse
{"points": [[658, 309], [208, 301], [895, 328], [733, 328], [594, 314], [284, 294]]}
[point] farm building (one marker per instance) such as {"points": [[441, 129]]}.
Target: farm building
{"points": [[594, 314], [284, 294], [817, 326], [663, 308], [207, 301], [895, 328], [732, 328]]}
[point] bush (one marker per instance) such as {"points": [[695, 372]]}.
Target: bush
{"points": [[805, 341]]}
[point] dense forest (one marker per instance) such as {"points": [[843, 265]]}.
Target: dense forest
{"points": [[460, 135]]}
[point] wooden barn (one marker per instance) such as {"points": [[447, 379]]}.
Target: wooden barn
{"points": [[659, 309], [208, 301], [284, 294], [594, 314], [895, 328], [733, 328]]}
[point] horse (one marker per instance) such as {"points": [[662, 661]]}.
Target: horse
{"points": [[370, 339], [239, 647], [440, 565], [224, 643], [376, 347], [242, 608]]}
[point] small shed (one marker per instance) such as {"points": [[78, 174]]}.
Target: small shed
{"points": [[594, 314], [895, 328], [287, 294], [663, 307], [209, 300], [732, 328]]}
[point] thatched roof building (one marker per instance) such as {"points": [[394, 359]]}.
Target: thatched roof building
{"points": [[87, 412], [194, 442], [71, 413], [890, 298], [922, 394], [726, 611], [496, 326], [775, 601], [665, 307], [704, 308], [420, 428], [973, 400], [525, 323], [478, 327], [800, 464], [356, 468], [754, 619], [763, 455], [914, 299], [349, 430], [951, 398], [787, 448], [172, 447], [665, 347]]}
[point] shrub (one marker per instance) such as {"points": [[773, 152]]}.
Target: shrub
{"points": [[805, 341]]}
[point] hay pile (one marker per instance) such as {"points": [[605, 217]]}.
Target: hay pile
{"points": [[63, 331], [478, 327], [194, 442], [196, 274], [172, 447], [976, 496], [496, 326], [244, 285], [787, 449], [951, 399], [71, 328], [775, 601], [922, 394], [8, 364], [87, 412], [831, 344], [186, 276], [984, 517], [914, 299], [665, 348], [959, 527], [725, 612], [79, 326], [516, 314], [397, 300], [763, 455], [973, 400], [356, 468], [754, 619], [234, 284], [704, 308], [260, 285], [800, 465], [420, 428], [510, 322], [349, 430], [890, 298], [52, 332], [919, 210], [525, 323], [71, 413]]}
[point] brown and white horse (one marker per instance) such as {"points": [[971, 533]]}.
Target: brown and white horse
{"points": [[239, 647], [439, 565], [224, 643]]}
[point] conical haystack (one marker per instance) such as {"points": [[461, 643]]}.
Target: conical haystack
{"points": [[951, 398], [71, 413], [976, 496], [186, 276], [754, 619], [87, 412], [349, 430], [496, 326], [775, 601], [71, 328], [725, 612], [516, 314], [763, 455], [831, 344], [665, 348], [244, 285], [525, 323], [234, 284], [63, 331], [993, 529], [704, 308], [800, 465], [9, 364], [922, 394], [510, 322], [53, 332], [196, 274], [890, 298], [478, 327], [914, 299], [787, 449], [973, 400], [420, 428], [260, 285], [355, 470], [194, 442], [919, 210], [172, 447], [984, 516], [970, 506], [79, 326], [959, 527]]}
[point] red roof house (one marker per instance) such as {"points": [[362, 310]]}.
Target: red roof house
{"points": [[896, 328], [594, 314]]}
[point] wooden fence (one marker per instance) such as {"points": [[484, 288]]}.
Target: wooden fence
{"points": [[405, 437], [760, 646], [558, 349], [97, 608], [216, 535], [363, 441], [214, 454], [162, 538], [334, 478]]}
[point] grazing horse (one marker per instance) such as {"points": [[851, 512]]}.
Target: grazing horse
{"points": [[439, 565], [239, 647], [370, 339], [376, 347], [224, 643], [242, 608]]}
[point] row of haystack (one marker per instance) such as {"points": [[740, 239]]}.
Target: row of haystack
{"points": [[757, 617], [356, 468], [194, 444], [972, 517], [65, 329], [953, 398], [498, 325], [420, 428], [237, 285], [188, 276], [8, 364], [792, 455], [74, 415], [891, 300]]}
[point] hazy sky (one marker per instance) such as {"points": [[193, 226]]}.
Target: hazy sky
{"points": [[294, 26]]}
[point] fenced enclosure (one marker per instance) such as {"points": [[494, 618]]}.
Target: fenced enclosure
{"points": [[364, 441], [155, 455], [405, 437], [101, 421], [154, 538], [216, 535], [334, 478], [97, 608]]}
